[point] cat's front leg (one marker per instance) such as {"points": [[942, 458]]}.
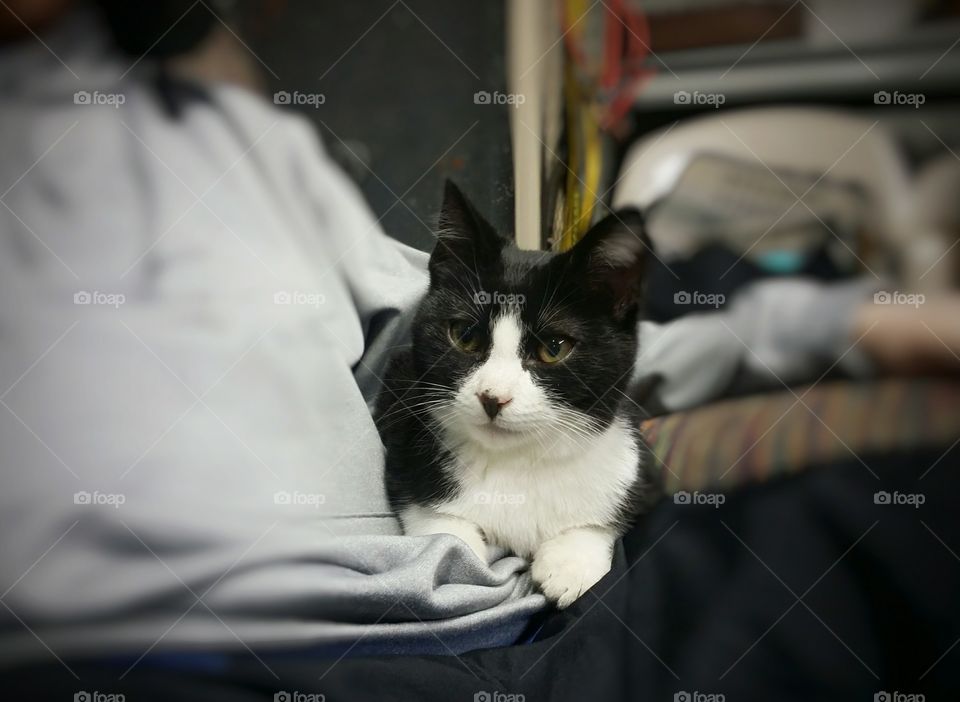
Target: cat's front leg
{"points": [[569, 564], [423, 521]]}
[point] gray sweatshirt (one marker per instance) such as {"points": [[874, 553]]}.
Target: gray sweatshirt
{"points": [[193, 315]]}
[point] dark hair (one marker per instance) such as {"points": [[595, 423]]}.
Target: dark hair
{"points": [[160, 28]]}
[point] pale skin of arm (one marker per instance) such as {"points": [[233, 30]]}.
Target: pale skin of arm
{"points": [[906, 339]]}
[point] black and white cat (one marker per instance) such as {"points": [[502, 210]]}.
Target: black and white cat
{"points": [[506, 423]]}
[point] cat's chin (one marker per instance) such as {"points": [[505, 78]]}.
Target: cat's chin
{"points": [[494, 436], [493, 429]]}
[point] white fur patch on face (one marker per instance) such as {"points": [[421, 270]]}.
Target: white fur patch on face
{"points": [[500, 375], [529, 421]]}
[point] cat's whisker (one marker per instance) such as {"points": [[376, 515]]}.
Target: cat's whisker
{"points": [[420, 383], [409, 406], [404, 412], [558, 308]]}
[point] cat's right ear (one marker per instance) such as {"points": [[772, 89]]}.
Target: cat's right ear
{"points": [[466, 242], [612, 256]]}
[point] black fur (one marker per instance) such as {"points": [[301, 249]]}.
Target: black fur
{"points": [[599, 308]]}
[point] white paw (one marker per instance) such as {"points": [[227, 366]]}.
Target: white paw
{"points": [[474, 539], [570, 564], [418, 521]]}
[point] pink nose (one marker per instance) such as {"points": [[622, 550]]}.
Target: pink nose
{"points": [[492, 404]]}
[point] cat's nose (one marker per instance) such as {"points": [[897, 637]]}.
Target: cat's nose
{"points": [[492, 404]]}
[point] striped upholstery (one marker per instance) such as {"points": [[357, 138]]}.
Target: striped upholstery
{"points": [[753, 438]]}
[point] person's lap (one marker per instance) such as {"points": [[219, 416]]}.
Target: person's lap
{"points": [[801, 588]]}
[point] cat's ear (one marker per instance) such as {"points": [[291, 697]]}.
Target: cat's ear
{"points": [[465, 240], [611, 258]]}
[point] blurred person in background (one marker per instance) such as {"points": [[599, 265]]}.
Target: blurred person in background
{"points": [[196, 304]]}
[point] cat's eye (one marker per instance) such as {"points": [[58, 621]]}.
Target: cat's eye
{"points": [[554, 349], [465, 336]]}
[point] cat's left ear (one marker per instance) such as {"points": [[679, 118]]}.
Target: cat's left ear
{"points": [[466, 241], [612, 256]]}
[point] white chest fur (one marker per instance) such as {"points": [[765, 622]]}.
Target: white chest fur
{"points": [[522, 498]]}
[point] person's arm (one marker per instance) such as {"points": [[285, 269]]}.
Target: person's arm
{"points": [[911, 338], [774, 332]]}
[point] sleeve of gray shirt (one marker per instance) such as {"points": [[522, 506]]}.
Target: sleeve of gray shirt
{"points": [[774, 333]]}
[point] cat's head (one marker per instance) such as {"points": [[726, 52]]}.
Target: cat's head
{"points": [[527, 347]]}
